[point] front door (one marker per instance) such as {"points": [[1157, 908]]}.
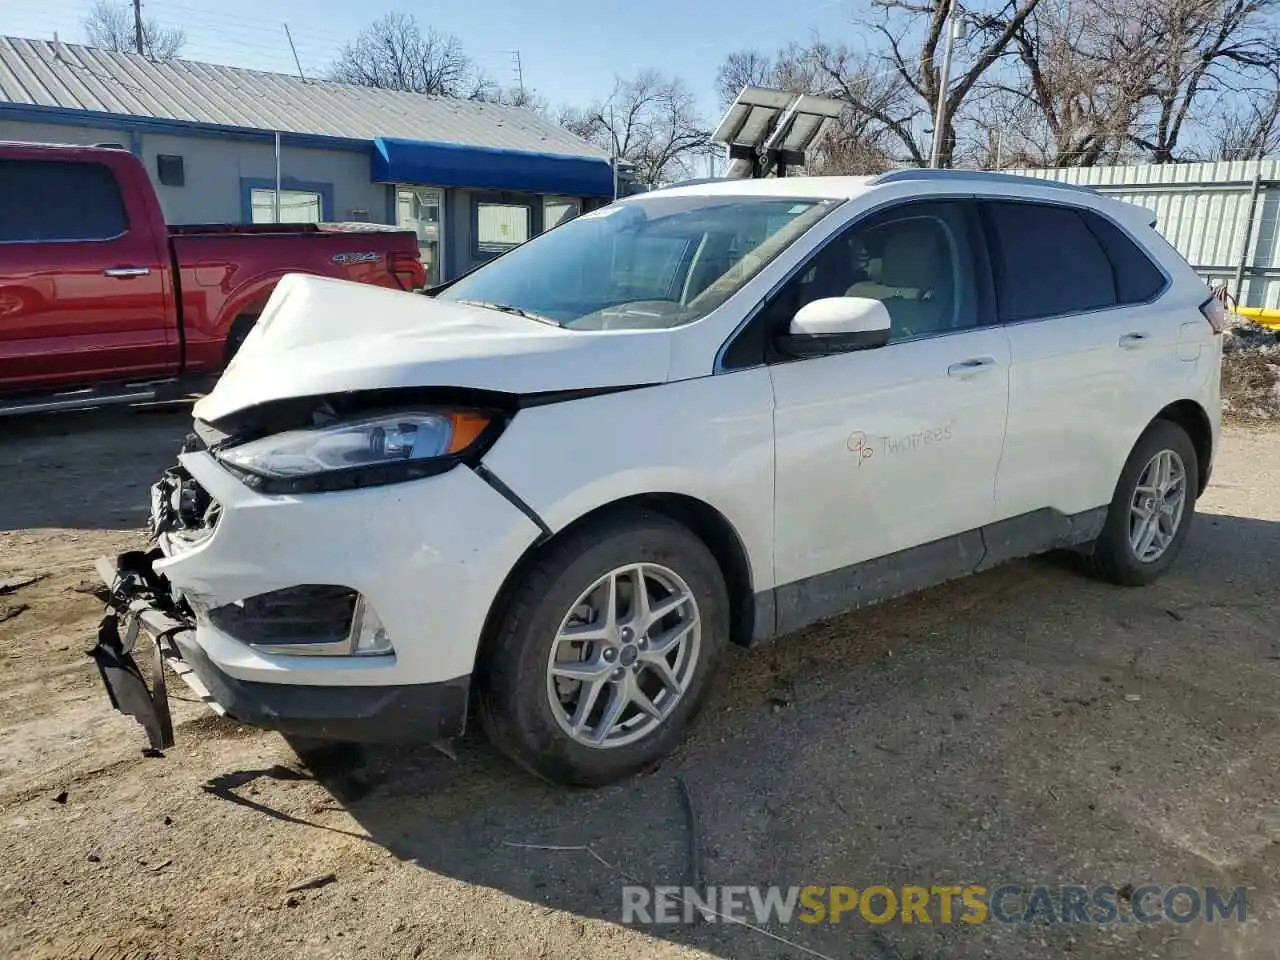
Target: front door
{"points": [[421, 209], [83, 292], [889, 452]]}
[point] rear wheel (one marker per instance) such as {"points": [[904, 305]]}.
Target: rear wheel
{"points": [[1150, 515], [604, 651]]}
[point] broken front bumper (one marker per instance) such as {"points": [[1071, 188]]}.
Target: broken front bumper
{"points": [[141, 607]]}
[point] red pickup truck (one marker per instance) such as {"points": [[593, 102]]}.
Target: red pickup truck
{"points": [[102, 302]]}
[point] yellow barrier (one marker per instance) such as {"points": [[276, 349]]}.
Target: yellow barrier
{"points": [[1267, 316]]}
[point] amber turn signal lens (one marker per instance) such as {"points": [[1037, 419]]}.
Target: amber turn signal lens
{"points": [[466, 427]]}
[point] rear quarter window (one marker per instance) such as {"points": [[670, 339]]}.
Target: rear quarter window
{"points": [[45, 200], [1047, 261], [1138, 279]]}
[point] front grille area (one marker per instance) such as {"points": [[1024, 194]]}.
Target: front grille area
{"points": [[307, 614]]}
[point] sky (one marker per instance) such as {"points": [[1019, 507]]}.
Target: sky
{"points": [[570, 50]]}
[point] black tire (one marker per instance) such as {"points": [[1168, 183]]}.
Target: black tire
{"points": [[1113, 557], [513, 703], [236, 335]]}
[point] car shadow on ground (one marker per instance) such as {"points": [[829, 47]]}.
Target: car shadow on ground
{"points": [[1024, 725], [50, 463]]}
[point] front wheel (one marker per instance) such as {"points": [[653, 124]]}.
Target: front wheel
{"points": [[1150, 515], [603, 652]]}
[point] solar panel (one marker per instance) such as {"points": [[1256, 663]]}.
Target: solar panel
{"points": [[765, 131]]}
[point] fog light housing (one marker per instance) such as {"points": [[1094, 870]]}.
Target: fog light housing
{"points": [[309, 620], [368, 636]]}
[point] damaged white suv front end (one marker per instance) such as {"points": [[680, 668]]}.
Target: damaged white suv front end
{"points": [[330, 544]]}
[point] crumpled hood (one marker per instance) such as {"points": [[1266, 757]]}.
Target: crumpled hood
{"points": [[318, 336]]}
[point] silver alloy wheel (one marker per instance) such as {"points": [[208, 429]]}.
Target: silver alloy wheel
{"points": [[1158, 505], [624, 655]]}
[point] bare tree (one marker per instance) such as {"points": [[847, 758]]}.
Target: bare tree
{"points": [[1041, 82], [917, 64], [110, 26], [1198, 50], [650, 121], [1071, 98], [484, 88], [1250, 128], [892, 90], [395, 53], [743, 68]]}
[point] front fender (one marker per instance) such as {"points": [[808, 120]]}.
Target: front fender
{"points": [[709, 439]]}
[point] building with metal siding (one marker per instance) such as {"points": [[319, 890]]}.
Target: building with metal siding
{"points": [[1223, 217], [208, 135]]}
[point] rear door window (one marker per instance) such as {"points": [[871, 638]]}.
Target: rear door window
{"points": [[1046, 261], [42, 200]]}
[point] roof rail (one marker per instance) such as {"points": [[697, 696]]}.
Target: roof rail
{"points": [[973, 176], [691, 183]]}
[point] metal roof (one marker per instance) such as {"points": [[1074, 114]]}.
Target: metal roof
{"points": [[72, 77]]}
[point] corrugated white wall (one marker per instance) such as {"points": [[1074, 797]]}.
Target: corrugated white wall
{"points": [[1203, 210]]}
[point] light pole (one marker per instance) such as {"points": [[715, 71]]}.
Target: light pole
{"points": [[955, 28]]}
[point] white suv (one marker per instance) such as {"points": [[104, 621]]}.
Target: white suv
{"points": [[558, 487]]}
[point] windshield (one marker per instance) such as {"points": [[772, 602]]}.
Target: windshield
{"points": [[656, 261]]}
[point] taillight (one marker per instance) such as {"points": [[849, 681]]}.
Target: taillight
{"points": [[1215, 311], [408, 270]]}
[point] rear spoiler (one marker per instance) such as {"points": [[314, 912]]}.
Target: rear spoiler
{"points": [[1145, 214]]}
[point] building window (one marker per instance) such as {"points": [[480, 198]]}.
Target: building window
{"points": [[169, 170], [557, 210], [421, 209], [296, 206], [501, 226]]}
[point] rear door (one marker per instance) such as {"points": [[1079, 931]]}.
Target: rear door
{"points": [[83, 291], [1086, 342]]}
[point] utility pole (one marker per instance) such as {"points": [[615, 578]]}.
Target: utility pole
{"points": [[276, 209], [296, 61], [515, 54], [954, 26], [137, 26]]}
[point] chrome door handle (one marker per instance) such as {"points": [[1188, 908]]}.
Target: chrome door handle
{"points": [[967, 368], [122, 273], [1131, 341]]}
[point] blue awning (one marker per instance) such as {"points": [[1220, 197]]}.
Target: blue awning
{"points": [[459, 165]]}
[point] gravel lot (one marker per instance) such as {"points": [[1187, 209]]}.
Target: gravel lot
{"points": [[1025, 725]]}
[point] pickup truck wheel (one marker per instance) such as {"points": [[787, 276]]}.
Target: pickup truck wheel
{"points": [[1150, 515], [604, 651], [236, 335]]}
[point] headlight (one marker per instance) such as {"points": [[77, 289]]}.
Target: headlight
{"points": [[373, 449]]}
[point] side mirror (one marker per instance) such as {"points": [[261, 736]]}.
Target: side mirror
{"points": [[836, 325]]}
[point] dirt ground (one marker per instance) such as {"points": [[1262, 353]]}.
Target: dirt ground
{"points": [[1026, 725]]}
